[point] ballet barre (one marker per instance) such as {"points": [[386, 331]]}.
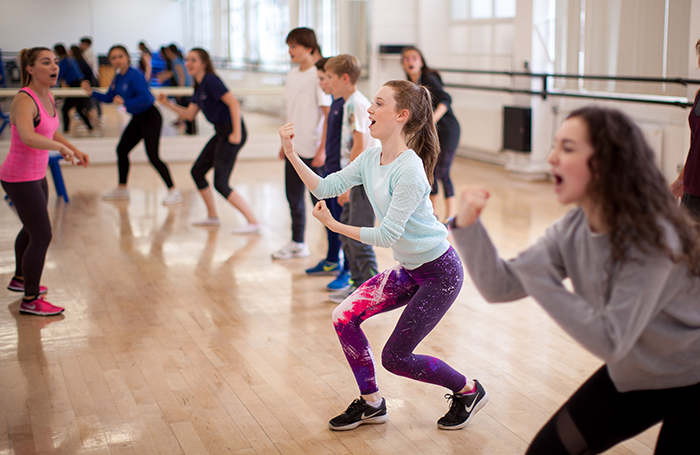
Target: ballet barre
{"points": [[73, 92]]}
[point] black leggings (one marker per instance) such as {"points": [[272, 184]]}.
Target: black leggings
{"points": [[692, 204], [81, 105], [147, 126], [597, 417], [220, 154], [32, 242], [448, 136]]}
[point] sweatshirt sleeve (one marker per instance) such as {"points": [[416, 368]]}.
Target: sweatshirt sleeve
{"points": [[633, 301], [491, 275], [339, 182], [407, 193], [142, 98], [107, 97]]}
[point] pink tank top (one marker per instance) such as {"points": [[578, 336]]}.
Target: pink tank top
{"points": [[24, 163]]}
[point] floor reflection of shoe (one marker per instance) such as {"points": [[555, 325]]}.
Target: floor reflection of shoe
{"points": [[39, 307], [247, 229], [207, 222], [174, 197], [117, 194], [339, 296], [292, 250]]}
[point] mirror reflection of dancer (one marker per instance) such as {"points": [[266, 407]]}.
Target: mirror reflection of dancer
{"points": [[429, 275], [418, 72], [223, 110], [34, 131], [130, 88], [634, 260]]}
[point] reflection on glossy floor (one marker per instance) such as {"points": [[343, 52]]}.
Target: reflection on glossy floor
{"points": [[190, 340]]}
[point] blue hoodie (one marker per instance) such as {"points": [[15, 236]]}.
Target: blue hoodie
{"points": [[133, 88]]}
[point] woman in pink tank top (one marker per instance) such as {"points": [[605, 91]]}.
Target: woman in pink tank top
{"points": [[34, 126]]}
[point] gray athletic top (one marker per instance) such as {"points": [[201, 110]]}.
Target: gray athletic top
{"points": [[644, 322]]}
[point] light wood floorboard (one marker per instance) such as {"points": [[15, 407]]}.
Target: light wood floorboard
{"points": [[186, 340]]}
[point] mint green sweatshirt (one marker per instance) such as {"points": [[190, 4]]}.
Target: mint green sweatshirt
{"points": [[400, 196]]}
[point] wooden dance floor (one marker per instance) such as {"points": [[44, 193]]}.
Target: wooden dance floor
{"points": [[178, 339]]}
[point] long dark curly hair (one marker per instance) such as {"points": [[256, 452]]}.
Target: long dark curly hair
{"points": [[631, 191]]}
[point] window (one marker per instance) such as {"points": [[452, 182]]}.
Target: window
{"points": [[481, 28], [622, 38], [256, 33]]}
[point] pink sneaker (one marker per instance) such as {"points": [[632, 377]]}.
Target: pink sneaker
{"points": [[39, 307], [18, 286]]}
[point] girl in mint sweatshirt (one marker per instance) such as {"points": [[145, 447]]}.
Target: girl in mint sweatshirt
{"points": [[428, 277]]}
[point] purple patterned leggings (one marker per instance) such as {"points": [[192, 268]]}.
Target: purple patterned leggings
{"points": [[427, 293]]}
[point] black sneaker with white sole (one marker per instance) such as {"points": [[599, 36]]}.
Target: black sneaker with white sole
{"points": [[463, 408], [359, 413]]}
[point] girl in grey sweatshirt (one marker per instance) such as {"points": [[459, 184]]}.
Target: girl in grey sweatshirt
{"points": [[633, 258]]}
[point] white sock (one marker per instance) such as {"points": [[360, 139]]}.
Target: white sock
{"points": [[374, 404]]}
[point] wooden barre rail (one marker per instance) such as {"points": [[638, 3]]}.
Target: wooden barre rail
{"points": [[170, 91]]}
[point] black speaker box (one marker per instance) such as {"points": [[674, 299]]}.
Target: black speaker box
{"points": [[517, 128]]}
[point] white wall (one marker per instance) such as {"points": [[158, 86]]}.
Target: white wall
{"points": [[425, 23], [27, 23]]}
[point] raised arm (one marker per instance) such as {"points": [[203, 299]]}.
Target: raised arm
{"points": [[309, 177], [491, 274]]}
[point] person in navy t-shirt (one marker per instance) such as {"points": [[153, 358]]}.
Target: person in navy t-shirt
{"points": [[223, 110]]}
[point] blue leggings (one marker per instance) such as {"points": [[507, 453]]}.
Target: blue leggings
{"points": [[427, 293]]}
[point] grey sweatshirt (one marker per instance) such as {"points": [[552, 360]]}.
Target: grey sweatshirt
{"points": [[644, 322]]}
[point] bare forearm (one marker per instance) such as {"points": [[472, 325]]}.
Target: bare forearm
{"points": [[58, 137], [37, 141], [181, 111], [440, 110]]}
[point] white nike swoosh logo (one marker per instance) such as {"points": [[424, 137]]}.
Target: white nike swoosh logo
{"points": [[469, 408], [30, 307], [369, 416]]}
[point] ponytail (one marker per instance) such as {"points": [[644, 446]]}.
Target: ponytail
{"points": [[27, 57], [419, 129]]}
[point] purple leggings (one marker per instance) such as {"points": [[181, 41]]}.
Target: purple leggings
{"points": [[427, 292]]}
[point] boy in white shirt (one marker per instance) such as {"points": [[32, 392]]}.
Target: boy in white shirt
{"points": [[343, 73], [307, 108]]}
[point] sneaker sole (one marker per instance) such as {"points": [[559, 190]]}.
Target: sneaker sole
{"points": [[292, 256], [329, 273], [41, 291], [372, 421], [39, 313], [480, 405]]}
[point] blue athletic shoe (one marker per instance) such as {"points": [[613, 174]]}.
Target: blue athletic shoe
{"points": [[324, 268], [342, 281]]}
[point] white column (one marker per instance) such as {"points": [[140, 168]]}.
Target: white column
{"points": [[533, 166]]}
